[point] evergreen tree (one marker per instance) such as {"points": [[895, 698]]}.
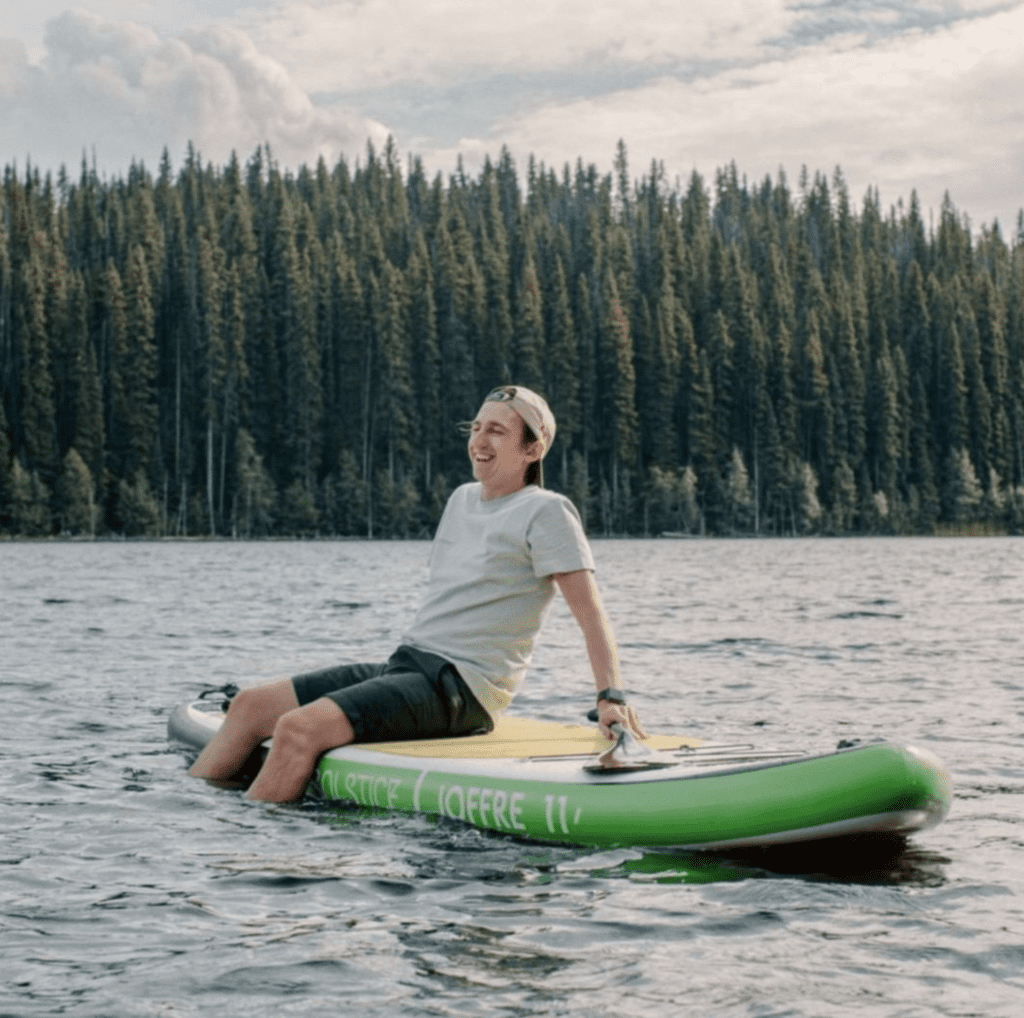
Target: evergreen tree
{"points": [[617, 347], [297, 342], [816, 420], [132, 368], [115, 359], [884, 423], [300, 514], [82, 421], [689, 370], [138, 511], [496, 355], [5, 464], [256, 496], [143, 228], [351, 361], [211, 362], [38, 412], [351, 497], [849, 386], [962, 493], [667, 370], [750, 356], [76, 497], [689, 506], [843, 512], [57, 313], [703, 440], [425, 352], [563, 380], [781, 327], [390, 320], [28, 502], [916, 326], [721, 354], [921, 473], [739, 498], [528, 340], [232, 410], [175, 335], [588, 372], [994, 362], [454, 299], [808, 510], [699, 238], [579, 488], [474, 313], [950, 399]]}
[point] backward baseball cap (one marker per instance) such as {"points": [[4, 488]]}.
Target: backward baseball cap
{"points": [[534, 410]]}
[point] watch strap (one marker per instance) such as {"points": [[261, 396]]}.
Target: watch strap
{"points": [[611, 695]]}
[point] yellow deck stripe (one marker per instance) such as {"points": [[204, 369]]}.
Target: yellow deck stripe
{"points": [[516, 738]]}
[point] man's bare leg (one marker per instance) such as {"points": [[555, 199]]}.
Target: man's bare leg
{"points": [[300, 737], [251, 718]]}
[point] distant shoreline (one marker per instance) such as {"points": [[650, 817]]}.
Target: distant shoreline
{"points": [[945, 532]]}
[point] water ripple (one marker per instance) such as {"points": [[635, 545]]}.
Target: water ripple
{"points": [[132, 890]]}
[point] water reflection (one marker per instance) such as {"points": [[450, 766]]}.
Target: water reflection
{"points": [[875, 859], [869, 859]]}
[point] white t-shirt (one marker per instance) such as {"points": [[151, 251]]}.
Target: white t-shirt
{"points": [[490, 586]]}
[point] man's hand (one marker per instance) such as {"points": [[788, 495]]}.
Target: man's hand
{"points": [[609, 713]]}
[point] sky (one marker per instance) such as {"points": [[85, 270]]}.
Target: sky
{"points": [[902, 95]]}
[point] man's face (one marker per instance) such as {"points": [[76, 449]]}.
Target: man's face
{"points": [[496, 449]]}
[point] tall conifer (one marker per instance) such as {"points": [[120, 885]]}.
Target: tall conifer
{"points": [[617, 346], [38, 411], [529, 341], [84, 407], [425, 353], [459, 396], [562, 364]]}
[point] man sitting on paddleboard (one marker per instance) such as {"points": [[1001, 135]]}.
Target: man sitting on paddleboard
{"points": [[501, 546]]}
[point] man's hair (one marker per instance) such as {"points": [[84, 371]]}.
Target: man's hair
{"points": [[533, 470]]}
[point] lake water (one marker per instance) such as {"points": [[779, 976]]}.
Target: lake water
{"points": [[130, 889]]}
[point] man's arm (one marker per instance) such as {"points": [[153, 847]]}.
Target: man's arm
{"points": [[584, 599]]}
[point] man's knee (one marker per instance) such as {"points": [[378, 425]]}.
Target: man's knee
{"points": [[259, 708], [312, 729]]}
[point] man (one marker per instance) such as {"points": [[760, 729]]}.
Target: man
{"points": [[502, 545]]}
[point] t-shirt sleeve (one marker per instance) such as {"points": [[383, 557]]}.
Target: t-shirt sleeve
{"points": [[444, 524], [556, 539]]}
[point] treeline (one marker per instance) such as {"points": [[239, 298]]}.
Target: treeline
{"points": [[243, 351]]}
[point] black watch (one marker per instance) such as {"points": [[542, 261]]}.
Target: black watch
{"points": [[612, 695]]}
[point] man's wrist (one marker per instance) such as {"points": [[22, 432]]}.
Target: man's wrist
{"points": [[612, 695]]}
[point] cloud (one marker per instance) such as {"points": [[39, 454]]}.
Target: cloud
{"points": [[122, 89], [902, 94], [353, 45], [931, 111]]}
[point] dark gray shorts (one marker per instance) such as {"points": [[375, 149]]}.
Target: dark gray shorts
{"points": [[412, 695]]}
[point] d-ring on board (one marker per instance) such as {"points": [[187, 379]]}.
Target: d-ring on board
{"points": [[628, 754]]}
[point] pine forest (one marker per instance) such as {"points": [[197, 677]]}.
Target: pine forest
{"points": [[250, 352]]}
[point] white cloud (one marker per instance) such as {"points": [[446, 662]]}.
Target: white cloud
{"points": [[936, 111], [121, 88], [26, 21], [352, 45], [766, 83]]}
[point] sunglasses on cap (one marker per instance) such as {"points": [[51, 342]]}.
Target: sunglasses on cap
{"points": [[503, 394]]}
